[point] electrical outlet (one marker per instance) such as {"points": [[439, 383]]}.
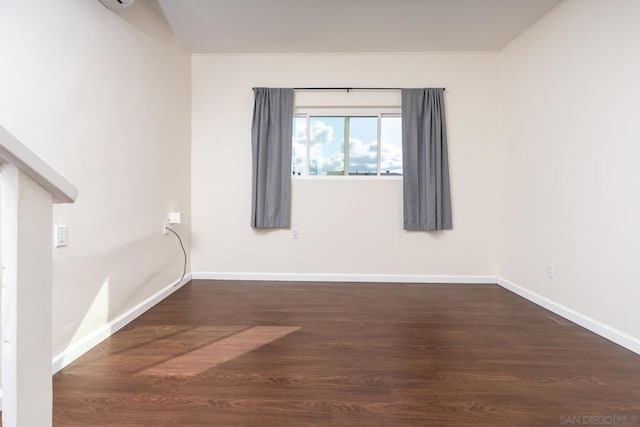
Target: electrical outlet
{"points": [[175, 217], [551, 271], [61, 234], [295, 233]]}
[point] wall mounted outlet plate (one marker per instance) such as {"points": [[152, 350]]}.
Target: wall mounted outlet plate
{"points": [[175, 217]]}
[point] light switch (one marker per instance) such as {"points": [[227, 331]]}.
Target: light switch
{"points": [[60, 237]]}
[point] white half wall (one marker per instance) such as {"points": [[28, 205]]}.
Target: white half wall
{"points": [[570, 192], [25, 242], [104, 98], [346, 226]]}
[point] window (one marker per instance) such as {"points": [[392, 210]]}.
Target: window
{"points": [[366, 145]]}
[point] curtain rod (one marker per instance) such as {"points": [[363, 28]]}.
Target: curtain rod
{"points": [[348, 89]]}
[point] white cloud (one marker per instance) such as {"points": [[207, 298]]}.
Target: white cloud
{"points": [[391, 157], [363, 157], [320, 133], [334, 162]]}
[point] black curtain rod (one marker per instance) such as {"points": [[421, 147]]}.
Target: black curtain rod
{"points": [[348, 89]]}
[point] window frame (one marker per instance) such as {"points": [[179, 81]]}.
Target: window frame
{"points": [[336, 112]]}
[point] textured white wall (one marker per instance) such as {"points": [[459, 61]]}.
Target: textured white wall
{"points": [[346, 225], [569, 176], [104, 98]]}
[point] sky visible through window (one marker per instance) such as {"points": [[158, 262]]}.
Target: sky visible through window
{"points": [[326, 151], [391, 146], [326, 138], [363, 145]]}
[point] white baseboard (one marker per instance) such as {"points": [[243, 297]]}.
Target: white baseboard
{"points": [[79, 348], [326, 277], [621, 338]]}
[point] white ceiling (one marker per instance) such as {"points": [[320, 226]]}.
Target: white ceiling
{"points": [[300, 26]]}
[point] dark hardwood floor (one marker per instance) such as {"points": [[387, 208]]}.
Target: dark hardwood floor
{"points": [[284, 354]]}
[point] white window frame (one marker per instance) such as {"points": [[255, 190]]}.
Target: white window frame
{"points": [[377, 112]]}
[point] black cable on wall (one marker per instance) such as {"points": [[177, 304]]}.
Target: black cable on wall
{"points": [[184, 269]]}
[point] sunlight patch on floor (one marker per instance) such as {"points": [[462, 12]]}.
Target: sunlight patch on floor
{"points": [[216, 353]]}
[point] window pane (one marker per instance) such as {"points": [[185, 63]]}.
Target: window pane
{"points": [[363, 145], [326, 138], [391, 146], [299, 152]]}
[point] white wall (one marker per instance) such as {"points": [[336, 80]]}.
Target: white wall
{"points": [[105, 99], [346, 225], [570, 192]]}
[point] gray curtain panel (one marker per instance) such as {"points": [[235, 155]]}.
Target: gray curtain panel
{"points": [[427, 199], [271, 134]]}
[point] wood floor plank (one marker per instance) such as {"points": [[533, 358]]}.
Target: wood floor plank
{"points": [[357, 355]]}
